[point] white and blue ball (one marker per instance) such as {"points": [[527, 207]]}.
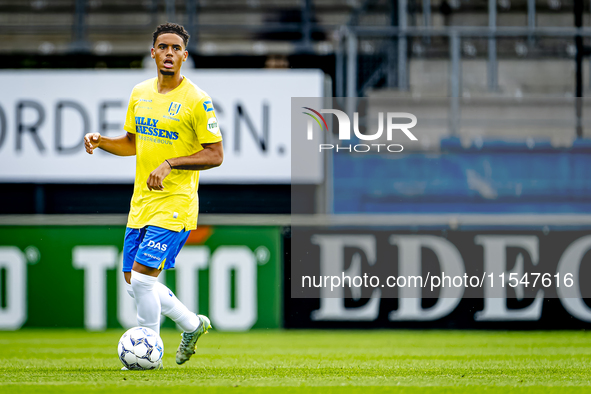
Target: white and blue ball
{"points": [[140, 348]]}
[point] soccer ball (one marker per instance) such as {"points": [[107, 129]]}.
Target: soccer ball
{"points": [[140, 348]]}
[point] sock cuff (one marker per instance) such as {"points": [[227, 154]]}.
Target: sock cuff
{"points": [[143, 278]]}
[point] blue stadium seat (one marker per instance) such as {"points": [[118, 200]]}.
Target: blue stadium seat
{"points": [[502, 177]]}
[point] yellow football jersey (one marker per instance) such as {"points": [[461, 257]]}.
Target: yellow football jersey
{"points": [[165, 126]]}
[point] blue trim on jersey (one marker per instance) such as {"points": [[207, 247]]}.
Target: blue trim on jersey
{"points": [[207, 106], [152, 246]]}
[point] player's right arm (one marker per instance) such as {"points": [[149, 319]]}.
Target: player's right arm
{"points": [[121, 146]]}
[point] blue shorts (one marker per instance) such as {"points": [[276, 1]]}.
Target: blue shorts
{"points": [[152, 246]]}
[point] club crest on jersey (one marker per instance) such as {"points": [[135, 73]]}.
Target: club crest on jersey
{"points": [[174, 108]]}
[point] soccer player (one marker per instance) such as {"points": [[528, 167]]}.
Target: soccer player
{"points": [[173, 132]]}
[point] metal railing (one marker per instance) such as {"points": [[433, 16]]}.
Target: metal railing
{"points": [[395, 67], [401, 32]]}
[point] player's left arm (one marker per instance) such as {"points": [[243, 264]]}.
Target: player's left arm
{"points": [[212, 155]]}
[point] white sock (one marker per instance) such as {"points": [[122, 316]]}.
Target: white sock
{"points": [[176, 310], [147, 300], [173, 308], [129, 289]]}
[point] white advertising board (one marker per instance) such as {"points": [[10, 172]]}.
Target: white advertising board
{"points": [[45, 114]]}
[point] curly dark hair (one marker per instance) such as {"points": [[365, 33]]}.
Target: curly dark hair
{"points": [[171, 28]]}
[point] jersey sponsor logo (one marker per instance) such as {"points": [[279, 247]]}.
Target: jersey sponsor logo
{"points": [[157, 245], [207, 106], [148, 126], [212, 125], [171, 118], [174, 108], [140, 120], [154, 140]]}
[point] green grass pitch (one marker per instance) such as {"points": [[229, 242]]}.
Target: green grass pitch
{"points": [[265, 361]]}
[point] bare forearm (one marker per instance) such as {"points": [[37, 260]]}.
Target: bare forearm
{"points": [[211, 156], [121, 146], [187, 163]]}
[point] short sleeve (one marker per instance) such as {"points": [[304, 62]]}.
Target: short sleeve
{"points": [[207, 127], [129, 125]]}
